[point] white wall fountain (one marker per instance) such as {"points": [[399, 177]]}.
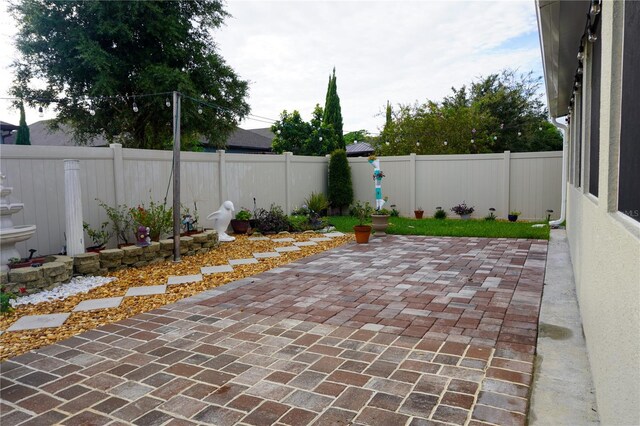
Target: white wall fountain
{"points": [[9, 233]]}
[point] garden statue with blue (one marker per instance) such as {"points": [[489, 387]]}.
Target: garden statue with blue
{"points": [[377, 179], [221, 220]]}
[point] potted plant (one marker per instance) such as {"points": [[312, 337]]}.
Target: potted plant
{"points": [[418, 212], [513, 215], [240, 224], [99, 237], [380, 221], [121, 222], [362, 213], [439, 213], [463, 210]]}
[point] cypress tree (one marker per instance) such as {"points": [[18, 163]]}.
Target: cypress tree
{"points": [[332, 111], [22, 138], [340, 187]]}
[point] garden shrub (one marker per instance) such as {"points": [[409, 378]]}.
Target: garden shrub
{"points": [[340, 186], [272, 220], [317, 203]]}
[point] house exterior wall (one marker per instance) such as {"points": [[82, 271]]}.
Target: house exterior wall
{"points": [[605, 243]]}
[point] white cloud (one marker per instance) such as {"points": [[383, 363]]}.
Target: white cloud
{"points": [[399, 51]]}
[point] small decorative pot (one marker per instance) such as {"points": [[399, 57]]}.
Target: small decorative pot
{"points": [[362, 233], [418, 213], [380, 222], [512, 217], [240, 226], [465, 216]]}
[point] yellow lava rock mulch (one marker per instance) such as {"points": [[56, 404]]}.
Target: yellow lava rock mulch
{"points": [[13, 343]]}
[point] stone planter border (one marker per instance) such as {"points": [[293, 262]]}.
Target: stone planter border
{"points": [[62, 268]]}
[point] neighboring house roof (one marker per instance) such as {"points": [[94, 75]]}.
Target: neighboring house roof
{"points": [[40, 134], [360, 149], [7, 126], [249, 140], [561, 24], [266, 132]]}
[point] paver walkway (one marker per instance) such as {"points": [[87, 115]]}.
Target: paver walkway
{"points": [[406, 330]]}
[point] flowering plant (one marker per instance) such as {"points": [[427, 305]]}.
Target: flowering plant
{"points": [[5, 300], [156, 217], [462, 209]]}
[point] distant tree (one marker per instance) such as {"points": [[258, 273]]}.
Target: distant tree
{"points": [[499, 112], [295, 135], [291, 134], [340, 186], [357, 136], [332, 111], [90, 54], [23, 138]]}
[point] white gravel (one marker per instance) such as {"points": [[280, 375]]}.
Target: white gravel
{"points": [[75, 286]]}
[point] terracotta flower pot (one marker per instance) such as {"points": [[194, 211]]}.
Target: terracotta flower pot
{"points": [[362, 233], [418, 213], [239, 226]]}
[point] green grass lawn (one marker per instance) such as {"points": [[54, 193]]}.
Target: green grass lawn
{"points": [[451, 227]]}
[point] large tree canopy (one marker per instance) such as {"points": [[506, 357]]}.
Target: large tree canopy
{"points": [[94, 56], [496, 113]]}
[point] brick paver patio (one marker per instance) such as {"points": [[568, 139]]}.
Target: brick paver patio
{"points": [[405, 330]]}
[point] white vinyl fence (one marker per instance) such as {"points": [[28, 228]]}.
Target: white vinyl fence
{"points": [[527, 182]]}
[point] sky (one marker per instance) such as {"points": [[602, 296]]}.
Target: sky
{"points": [[397, 51]]}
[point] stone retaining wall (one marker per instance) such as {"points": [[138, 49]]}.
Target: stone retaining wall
{"points": [[62, 268]]}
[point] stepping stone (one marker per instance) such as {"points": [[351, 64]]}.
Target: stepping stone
{"points": [[266, 254], [247, 261], [334, 234], [93, 304], [320, 239], [286, 249], [206, 270], [305, 243], [184, 279], [146, 290], [259, 239], [283, 240], [31, 322]]}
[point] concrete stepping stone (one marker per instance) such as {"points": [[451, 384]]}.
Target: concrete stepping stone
{"points": [[265, 255], [93, 304], [287, 249], [320, 239], [207, 270], [305, 243], [146, 290], [248, 261], [283, 240], [31, 322], [184, 279], [259, 238], [334, 234]]}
